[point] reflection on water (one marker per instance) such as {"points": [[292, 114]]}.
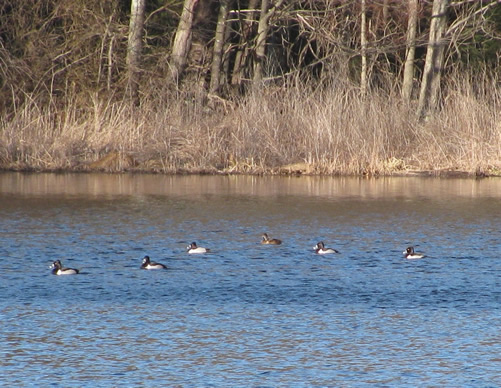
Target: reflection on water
{"points": [[247, 314], [190, 185]]}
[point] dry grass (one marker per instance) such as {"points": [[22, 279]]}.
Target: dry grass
{"points": [[329, 131]]}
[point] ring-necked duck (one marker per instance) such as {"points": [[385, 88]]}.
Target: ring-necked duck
{"points": [[410, 254], [147, 264], [57, 269], [272, 241], [322, 250], [192, 248]]}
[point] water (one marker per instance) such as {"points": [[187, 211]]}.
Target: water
{"points": [[247, 314]]}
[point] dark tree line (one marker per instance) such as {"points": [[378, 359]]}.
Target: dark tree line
{"points": [[131, 49]]}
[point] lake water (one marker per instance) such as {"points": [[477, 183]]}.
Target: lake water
{"points": [[249, 315]]}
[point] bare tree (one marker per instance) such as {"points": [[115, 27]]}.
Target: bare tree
{"points": [[430, 83], [217, 55], [134, 48], [363, 43], [386, 7], [262, 34], [243, 50], [470, 20], [182, 40], [411, 50]]}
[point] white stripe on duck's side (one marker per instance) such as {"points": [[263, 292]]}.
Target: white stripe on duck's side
{"points": [[57, 269], [193, 248], [411, 255], [148, 264], [322, 250]]}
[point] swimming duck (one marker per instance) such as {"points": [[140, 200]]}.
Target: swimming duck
{"points": [[272, 241], [148, 264], [322, 250], [410, 254], [57, 269], [192, 248]]}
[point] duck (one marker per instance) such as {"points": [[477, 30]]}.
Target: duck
{"points": [[268, 241], [410, 254], [193, 248], [322, 250], [148, 264], [57, 269]]}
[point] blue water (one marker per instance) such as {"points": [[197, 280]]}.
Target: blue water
{"points": [[248, 314]]}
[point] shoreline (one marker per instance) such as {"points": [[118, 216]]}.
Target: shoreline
{"points": [[298, 169]]}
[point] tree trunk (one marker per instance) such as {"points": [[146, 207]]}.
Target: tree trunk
{"points": [[182, 40], [262, 33], [243, 51], [227, 53], [386, 12], [217, 55], [363, 42], [134, 48], [430, 84], [411, 50]]}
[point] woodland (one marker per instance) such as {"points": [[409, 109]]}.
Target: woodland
{"points": [[323, 87]]}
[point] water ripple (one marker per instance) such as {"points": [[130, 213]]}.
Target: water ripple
{"points": [[247, 314]]}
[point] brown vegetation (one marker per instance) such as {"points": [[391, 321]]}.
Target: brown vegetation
{"points": [[255, 87], [275, 130]]}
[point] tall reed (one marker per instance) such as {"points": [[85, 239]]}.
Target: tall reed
{"points": [[330, 130]]}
